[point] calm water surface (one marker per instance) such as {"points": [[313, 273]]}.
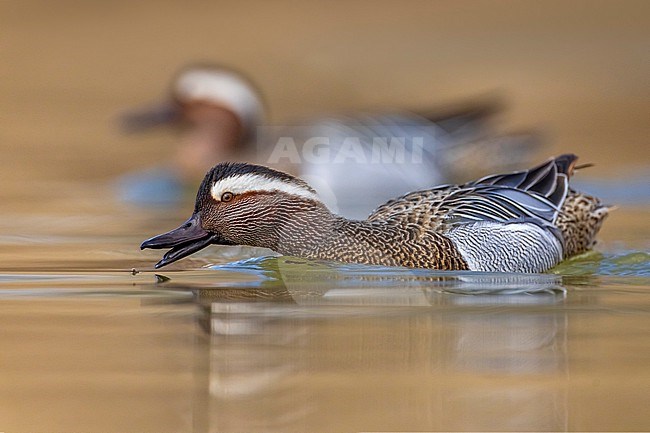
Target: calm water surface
{"points": [[95, 341]]}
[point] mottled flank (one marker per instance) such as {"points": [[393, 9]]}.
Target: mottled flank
{"points": [[525, 221], [380, 243]]}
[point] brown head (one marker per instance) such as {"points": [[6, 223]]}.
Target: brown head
{"points": [[245, 204]]}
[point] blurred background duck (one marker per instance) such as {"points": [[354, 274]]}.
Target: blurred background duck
{"points": [[353, 160]]}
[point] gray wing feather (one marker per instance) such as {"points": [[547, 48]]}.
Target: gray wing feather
{"points": [[549, 179], [497, 203]]}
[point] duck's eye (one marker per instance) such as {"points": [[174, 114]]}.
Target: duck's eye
{"points": [[227, 196]]}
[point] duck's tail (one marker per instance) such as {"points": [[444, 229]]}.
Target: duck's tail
{"points": [[580, 220], [581, 215]]}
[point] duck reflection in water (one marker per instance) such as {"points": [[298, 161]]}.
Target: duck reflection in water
{"points": [[384, 349]]}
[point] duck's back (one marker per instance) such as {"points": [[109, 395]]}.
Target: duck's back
{"points": [[524, 221], [420, 207]]}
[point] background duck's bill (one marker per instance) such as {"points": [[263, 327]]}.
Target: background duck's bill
{"points": [[144, 118]]}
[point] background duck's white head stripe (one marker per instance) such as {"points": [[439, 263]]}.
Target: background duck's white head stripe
{"points": [[225, 88], [249, 182]]}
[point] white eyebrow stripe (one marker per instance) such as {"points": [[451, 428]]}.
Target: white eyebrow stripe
{"points": [[250, 182]]}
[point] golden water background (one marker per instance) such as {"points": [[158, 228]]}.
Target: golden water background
{"points": [[86, 346]]}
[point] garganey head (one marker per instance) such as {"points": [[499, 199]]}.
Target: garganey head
{"points": [[242, 204], [218, 110], [201, 94]]}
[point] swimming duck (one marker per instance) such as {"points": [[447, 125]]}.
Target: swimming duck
{"points": [[523, 221], [339, 155]]}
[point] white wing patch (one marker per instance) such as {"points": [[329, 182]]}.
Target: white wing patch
{"points": [[250, 182]]}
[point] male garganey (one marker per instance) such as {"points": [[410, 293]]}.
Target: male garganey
{"points": [[340, 155], [524, 221]]}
